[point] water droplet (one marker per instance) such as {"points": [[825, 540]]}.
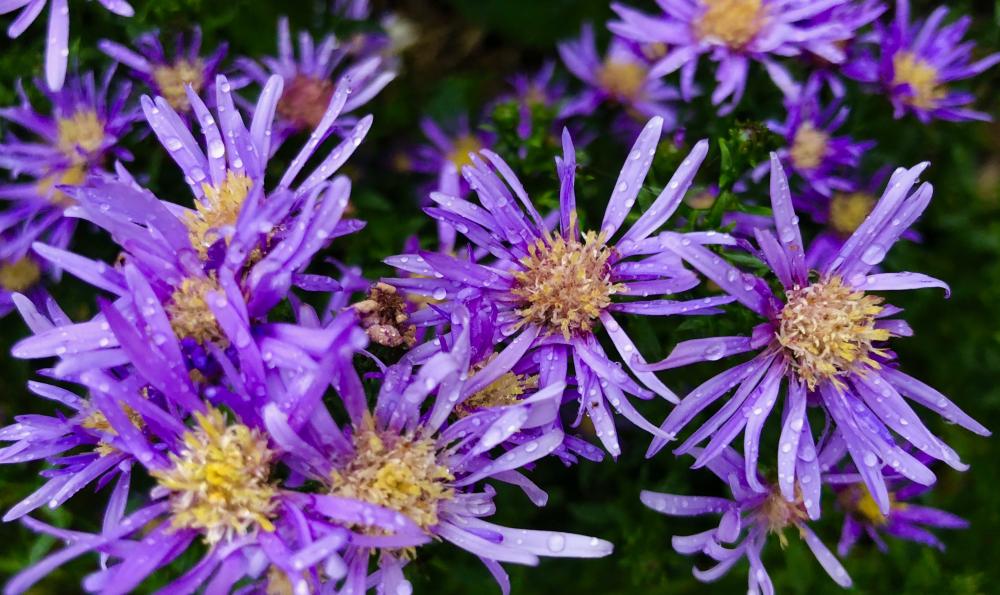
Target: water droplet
{"points": [[556, 543]]}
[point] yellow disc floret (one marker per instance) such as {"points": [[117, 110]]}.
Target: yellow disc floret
{"points": [[460, 149], [809, 147], [171, 80], [506, 390], [217, 211], [926, 88], [395, 471], [849, 211], [731, 22], [189, 313], [565, 284], [80, 134], [622, 80], [777, 514], [828, 331], [218, 483], [71, 176], [19, 275]]}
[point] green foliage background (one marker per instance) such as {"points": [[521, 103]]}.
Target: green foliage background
{"points": [[467, 50]]}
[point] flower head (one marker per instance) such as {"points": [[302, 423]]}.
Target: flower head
{"points": [[413, 455], [310, 80], [57, 38], [552, 289], [826, 338], [733, 33], [749, 518], [622, 78], [917, 64], [169, 76]]}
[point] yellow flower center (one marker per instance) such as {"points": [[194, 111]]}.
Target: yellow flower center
{"points": [[218, 483], [189, 313], [622, 80], [506, 390], [80, 134], [19, 275], [96, 421], [858, 500], [565, 285], [461, 147], [777, 514], [305, 100], [217, 210], [926, 89], [828, 330], [73, 176], [849, 211], [654, 50], [809, 147], [397, 472], [172, 79], [731, 22]]}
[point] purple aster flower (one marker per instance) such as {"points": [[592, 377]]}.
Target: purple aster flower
{"points": [[813, 151], [435, 467], [214, 484], [57, 39], [170, 74], [753, 513], [904, 520], [918, 62], [824, 337], [550, 289], [68, 145], [734, 33], [531, 93], [621, 77], [310, 81]]}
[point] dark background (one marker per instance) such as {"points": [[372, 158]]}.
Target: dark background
{"points": [[467, 49]]}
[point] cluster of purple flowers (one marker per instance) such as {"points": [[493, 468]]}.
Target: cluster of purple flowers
{"points": [[287, 469]]}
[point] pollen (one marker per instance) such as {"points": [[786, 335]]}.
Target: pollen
{"points": [[189, 313], [72, 176], [733, 23], [828, 331], [565, 284], [923, 79], [504, 391], [460, 149], [809, 147], [777, 514], [217, 211], [622, 80], [80, 134], [20, 275], [849, 211], [304, 101], [395, 471], [171, 80], [218, 483]]}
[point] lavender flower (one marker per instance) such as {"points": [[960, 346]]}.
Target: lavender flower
{"points": [[213, 484], [170, 74], [310, 81], [905, 520], [813, 151], [825, 338], [406, 455], [532, 93], [733, 33], [753, 513], [918, 62], [551, 289], [57, 40], [621, 77], [72, 139]]}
